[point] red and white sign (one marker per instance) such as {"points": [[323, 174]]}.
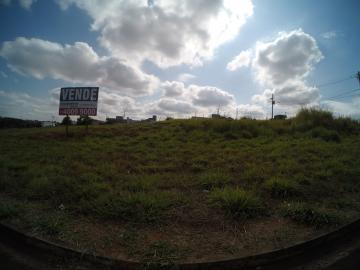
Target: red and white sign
{"points": [[78, 101]]}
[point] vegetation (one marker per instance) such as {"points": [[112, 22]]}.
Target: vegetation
{"points": [[309, 215], [192, 184], [237, 202], [280, 187], [8, 122]]}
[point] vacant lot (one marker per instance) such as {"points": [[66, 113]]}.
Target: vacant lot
{"points": [[183, 190]]}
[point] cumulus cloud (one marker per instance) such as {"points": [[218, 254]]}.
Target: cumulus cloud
{"points": [[282, 65], [176, 106], [243, 59], [291, 56], [180, 100], [209, 96], [173, 89], [166, 32], [76, 63]]}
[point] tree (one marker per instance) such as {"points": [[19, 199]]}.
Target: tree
{"points": [[84, 120], [66, 120]]}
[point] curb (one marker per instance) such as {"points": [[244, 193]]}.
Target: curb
{"points": [[285, 258]]}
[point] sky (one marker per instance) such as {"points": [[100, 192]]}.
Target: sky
{"points": [[180, 58]]}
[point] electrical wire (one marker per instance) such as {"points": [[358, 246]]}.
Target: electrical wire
{"points": [[343, 94], [325, 84], [353, 95]]}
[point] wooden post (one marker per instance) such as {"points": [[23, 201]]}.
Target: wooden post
{"points": [[67, 125]]}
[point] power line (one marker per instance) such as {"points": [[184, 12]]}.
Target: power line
{"points": [[342, 94], [353, 95], [325, 84]]}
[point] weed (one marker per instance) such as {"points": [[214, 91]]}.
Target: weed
{"points": [[210, 181], [280, 187], [309, 215], [325, 134], [146, 207], [236, 202], [160, 255], [52, 224]]}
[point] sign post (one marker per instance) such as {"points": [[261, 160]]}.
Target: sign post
{"points": [[80, 101]]}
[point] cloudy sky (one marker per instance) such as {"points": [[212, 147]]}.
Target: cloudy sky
{"points": [[180, 58]]}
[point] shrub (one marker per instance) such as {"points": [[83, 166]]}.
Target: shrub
{"points": [[308, 215], [325, 134], [213, 180], [236, 202], [280, 187], [8, 210], [313, 117]]}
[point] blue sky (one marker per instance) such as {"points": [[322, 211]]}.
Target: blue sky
{"points": [[174, 59]]}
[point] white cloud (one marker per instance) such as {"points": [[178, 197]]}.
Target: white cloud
{"points": [[291, 56], [185, 77], [23, 105], [351, 108], [26, 4], [173, 89], [251, 110], [329, 35], [209, 96], [283, 65], [76, 63], [241, 60], [181, 101], [167, 32], [176, 106]]}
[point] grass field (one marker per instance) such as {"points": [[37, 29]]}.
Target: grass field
{"points": [[183, 190]]}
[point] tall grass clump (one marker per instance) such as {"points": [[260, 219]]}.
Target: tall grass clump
{"points": [[280, 187], [311, 216], [210, 181], [309, 118], [325, 134], [236, 202]]}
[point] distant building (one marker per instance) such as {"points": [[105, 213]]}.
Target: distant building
{"points": [[280, 117], [47, 124], [121, 120]]}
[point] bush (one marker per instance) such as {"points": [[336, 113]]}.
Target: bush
{"points": [[236, 202], [313, 117], [308, 215], [325, 134], [280, 187]]}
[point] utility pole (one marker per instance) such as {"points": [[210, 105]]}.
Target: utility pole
{"points": [[218, 110], [272, 106], [358, 76]]}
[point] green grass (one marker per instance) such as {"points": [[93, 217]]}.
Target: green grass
{"points": [[191, 171], [237, 202], [281, 188], [310, 215], [210, 181]]}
